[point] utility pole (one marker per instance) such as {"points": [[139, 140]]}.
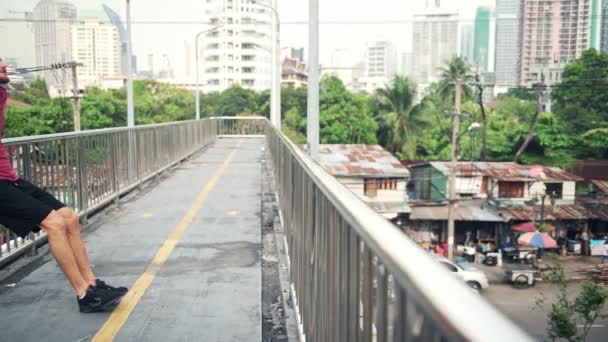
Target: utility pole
{"points": [[453, 169], [130, 104], [313, 80], [76, 96]]}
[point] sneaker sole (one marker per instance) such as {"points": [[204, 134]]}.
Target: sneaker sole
{"points": [[107, 306], [113, 303]]}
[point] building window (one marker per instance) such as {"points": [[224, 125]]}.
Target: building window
{"points": [[372, 185], [370, 188], [510, 189], [554, 190]]}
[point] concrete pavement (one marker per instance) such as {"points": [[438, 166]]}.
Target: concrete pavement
{"points": [[207, 289]]}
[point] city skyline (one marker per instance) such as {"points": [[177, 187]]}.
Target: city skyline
{"points": [[388, 20]]}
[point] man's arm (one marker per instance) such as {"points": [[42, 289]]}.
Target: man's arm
{"points": [[3, 75]]}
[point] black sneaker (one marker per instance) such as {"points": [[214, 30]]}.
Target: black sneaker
{"points": [[96, 300], [100, 284]]}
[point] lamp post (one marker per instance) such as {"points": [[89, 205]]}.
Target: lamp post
{"points": [[275, 92], [130, 103], [198, 85], [312, 128], [475, 126]]}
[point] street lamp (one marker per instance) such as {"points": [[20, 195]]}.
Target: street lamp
{"points": [[474, 127], [275, 93], [130, 102], [198, 85]]}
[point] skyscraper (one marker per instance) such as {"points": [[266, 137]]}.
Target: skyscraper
{"points": [[484, 39], [238, 52], [122, 37], [380, 60], [552, 32], [52, 34], [595, 30], [466, 42], [435, 41], [604, 26], [95, 44], [508, 43]]}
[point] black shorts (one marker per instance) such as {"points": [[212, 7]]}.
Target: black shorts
{"points": [[23, 206]]}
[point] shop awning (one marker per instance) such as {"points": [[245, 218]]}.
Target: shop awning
{"points": [[465, 211]]}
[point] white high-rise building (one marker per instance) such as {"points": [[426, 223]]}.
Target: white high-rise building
{"points": [[52, 34], [380, 65], [380, 59], [508, 39], [238, 52], [96, 44], [435, 41]]}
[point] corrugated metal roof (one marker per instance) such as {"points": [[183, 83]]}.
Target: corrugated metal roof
{"points": [[592, 169], [505, 171], [600, 185], [360, 160], [465, 211], [577, 211], [390, 207]]}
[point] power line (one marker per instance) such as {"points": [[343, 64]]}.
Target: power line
{"points": [[290, 22]]}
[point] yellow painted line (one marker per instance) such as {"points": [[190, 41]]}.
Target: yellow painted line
{"points": [[117, 319]]}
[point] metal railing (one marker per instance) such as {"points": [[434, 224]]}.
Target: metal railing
{"points": [[87, 170], [356, 277], [241, 126]]}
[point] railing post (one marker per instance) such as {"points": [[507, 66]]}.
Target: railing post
{"points": [[114, 156], [82, 179]]}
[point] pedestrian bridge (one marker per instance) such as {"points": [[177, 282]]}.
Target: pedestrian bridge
{"points": [[174, 212]]}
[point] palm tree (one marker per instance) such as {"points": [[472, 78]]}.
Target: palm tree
{"points": [[402, 119], [456, 69]]}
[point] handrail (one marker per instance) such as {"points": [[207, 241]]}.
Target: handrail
{"points": [[455, 312], [87, 170]]}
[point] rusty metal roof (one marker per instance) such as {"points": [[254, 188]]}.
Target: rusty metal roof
{"points": [[581, 210], [477, 210], [592, 169], [361, 160], [503, 171], [600, 185]]}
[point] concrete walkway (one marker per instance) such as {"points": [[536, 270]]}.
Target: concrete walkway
{"points": [[207, 289]]}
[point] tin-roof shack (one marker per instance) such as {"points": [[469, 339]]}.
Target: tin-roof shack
{"points": [[371, 172], [504, 182]]}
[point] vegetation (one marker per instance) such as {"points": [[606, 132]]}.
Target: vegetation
{"points": [[411, 125], [571, 317]]}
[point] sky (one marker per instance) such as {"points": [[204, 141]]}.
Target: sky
{"points": [[171, 38]]}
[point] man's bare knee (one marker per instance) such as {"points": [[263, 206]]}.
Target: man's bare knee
{"points": [[55, 223], [72, 220]]}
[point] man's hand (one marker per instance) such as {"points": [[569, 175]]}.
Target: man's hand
{"points": [[3, 76]]}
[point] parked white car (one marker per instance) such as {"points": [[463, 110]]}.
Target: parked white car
{"points": [[472, 276]]}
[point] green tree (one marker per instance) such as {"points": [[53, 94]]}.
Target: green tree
{"points": [[581, 101], [236, 100], [572, 319], [344, 118], [400, 118]]}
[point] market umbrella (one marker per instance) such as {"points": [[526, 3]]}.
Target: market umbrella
{"points": [[537, 239], [530, 227]]}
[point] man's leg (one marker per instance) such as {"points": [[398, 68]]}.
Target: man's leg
{"points": [[57, 231], [78, 248]]}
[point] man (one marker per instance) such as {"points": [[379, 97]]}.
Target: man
{"points": [[25, 208]]}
